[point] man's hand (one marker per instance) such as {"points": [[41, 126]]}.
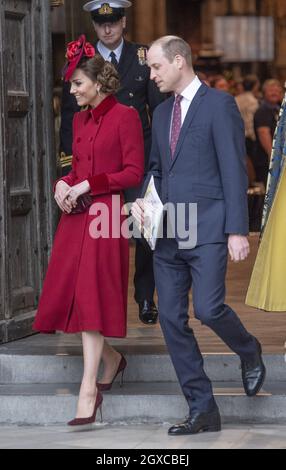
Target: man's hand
{"points": [[238, 247], [137, 211], [62, 189]]}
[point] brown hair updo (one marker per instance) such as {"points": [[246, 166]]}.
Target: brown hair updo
{"points": [[100, 71]]}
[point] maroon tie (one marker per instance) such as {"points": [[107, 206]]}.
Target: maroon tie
{"points": [[176, 124]]}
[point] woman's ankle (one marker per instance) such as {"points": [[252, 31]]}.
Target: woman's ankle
{"points": [[88, 390], [112, 359]]}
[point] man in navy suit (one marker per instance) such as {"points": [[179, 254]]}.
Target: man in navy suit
{"points": [[198, 157]]}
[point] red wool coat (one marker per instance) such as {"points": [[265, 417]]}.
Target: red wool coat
{"points": [[86, 284]]}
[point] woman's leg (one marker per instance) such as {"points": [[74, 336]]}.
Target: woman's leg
{"points": [[92, 351], [111, 360]]}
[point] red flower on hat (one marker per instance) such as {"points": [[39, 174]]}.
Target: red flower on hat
{"points": [[89, 50], [75, 51]]}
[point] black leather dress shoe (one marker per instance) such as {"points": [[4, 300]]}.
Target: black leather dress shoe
{"points": [[148, 312], [253, 373], [197, 423]]}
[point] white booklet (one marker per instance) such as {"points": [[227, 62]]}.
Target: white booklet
{"points": [[153, 215]]}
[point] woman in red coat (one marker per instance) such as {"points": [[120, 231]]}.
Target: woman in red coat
{"points": [[86, 285]]}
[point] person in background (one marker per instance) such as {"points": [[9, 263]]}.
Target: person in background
{"points": [[267, 285], [265, 122], [219, 83], [248, 104], [238, 87]]}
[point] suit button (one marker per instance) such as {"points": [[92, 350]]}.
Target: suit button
{"points": [[77, 159], [78, 140], [89, 159], [131, 95]]}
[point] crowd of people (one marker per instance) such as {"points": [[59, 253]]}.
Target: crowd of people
{"points": [[259, 105]]}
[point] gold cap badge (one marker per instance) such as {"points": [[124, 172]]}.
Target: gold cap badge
{"points": [[105, 9]]}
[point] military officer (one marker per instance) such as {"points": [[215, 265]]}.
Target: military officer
{"points": [[137, 90]]}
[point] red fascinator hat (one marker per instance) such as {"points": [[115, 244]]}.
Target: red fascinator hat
{"points": [[76, 50]]}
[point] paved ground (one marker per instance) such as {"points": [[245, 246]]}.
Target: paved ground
{"points": [[124, 436]]}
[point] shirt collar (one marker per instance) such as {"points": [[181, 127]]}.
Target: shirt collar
{"points": [[192, 89], [270, 106], [105, 52]]}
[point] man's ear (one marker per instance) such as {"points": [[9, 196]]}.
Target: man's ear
{"points": [[124, 22], [179, 60]]}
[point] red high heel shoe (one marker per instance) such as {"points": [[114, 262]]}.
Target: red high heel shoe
{"points": [[121, 368], [79, 422]]}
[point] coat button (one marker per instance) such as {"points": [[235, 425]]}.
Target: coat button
{"points": [[131, 95], [78, 140], [89, 158], [77, 159]]}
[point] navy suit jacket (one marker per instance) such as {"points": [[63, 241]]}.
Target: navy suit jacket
{"points": [[209, 165]]}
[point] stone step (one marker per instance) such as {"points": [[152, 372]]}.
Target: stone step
{"points": [[138, 402], [64, 368]]}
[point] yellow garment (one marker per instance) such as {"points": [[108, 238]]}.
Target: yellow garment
{"points": [[267, 289]]}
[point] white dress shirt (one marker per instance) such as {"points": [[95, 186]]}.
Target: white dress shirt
{"points": [[188, 95], [105, 52]]}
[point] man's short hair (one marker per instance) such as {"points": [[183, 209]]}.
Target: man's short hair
{"points": [[174, 45], [249, 82], [271, 82]]}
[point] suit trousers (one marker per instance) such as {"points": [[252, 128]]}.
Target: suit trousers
{"points": [[144, 275], [203, 269]]}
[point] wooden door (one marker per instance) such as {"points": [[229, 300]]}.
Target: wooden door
{"points": [[27, 161]]}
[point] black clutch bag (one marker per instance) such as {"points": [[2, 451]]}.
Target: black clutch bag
{"points": [[83, 204]]}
